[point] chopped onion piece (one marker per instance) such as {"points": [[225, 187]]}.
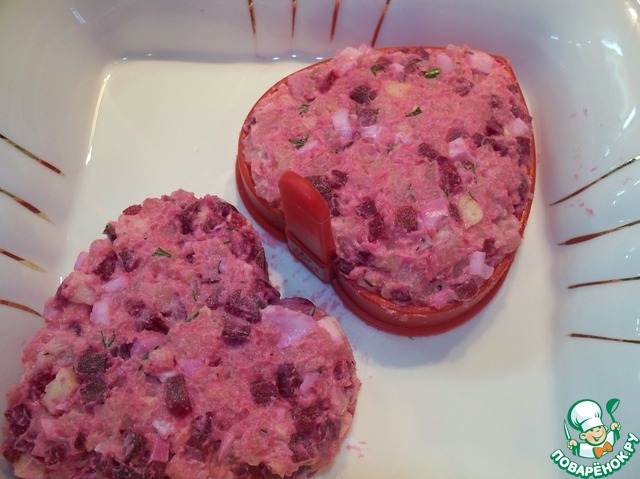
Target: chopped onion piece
{"points": [[292, 325], [477, 265], [342, 124]]}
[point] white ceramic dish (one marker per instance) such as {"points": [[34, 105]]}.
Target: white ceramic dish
{"points": [[137, 98]]}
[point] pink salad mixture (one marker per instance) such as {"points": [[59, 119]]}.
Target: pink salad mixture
{"points": [[422, 155], [167, 354]]}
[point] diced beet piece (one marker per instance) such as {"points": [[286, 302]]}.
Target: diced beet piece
{"points": [[340, 178], [328, 430], [305, 418], [363, 94], [132, 210], [94, 389], [200, 435], [499, 146], [117, 470], [248, 248], [287, 379], [462, 86], [122, 351], [135, 307], [176, 398], [427, 151], [248, 471], [186, 217], [80, 442], [215, 298], [156, 470], [325, 188], [344, 266], [134, 448], [38, 382], [327, 82], [55, 453], [129, 260], [450, 180], [494, 127], [10, 453], [455, 132], [263, 391], [367, 209], [97, 463], [496, 101], [520, 112], [367, 116], [92, 362], [19, 419], [377, 228], [155, 322], [412, 66], [523, 145], [381, 64], [402, 295], [466, 290], [244, 307], [235, 333], [363, 256], [107, 266], [406, 217], [14, 449], [235, 220], [265, 291], [478, 139], [303, 448]]}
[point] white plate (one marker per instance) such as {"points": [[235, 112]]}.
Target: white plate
{"points": [[137, 98]]}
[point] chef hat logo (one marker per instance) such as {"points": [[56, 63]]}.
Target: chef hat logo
{"points": [[585, 415]]}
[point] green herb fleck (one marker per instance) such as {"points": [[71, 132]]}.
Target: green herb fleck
{"points": [[375, 69], [192, 317], [298, 143], [145, 356], [472, 166], [107, 342], [415, 112], [161, 252], [302, 109], [434, 72]]}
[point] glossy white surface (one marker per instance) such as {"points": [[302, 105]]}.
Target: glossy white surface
{"points": [[137, 98]]}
